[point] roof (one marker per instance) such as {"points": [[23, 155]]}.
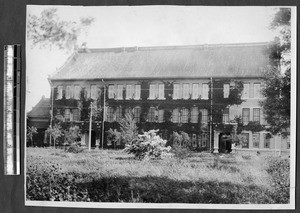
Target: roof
{"points": [[41, 109], [197, 61]]}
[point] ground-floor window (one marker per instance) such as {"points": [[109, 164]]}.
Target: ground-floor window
{"points": [[255, 139], [266, 141], [194, 115], [137, 114], [119, 115], [175, 116], [160, 116], [245, 140], [110, 114], [184, 115], [151, 115]]}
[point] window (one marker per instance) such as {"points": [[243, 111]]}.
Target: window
{"points": [[226, 116], [67, 115], [257, 92], [94, 92], [129, 92], [110, 114], [195, 94], [75, 113], [175, 116], [111, 91], [246, 90], [69, 92], [256, 115], [184, 115], [152, 94], [226, 90], [151, 115], [161, 91], [186, 92], [160, 116], [194, 115], [119, 114], [267, 140], [255, 140], [59, 92], [205, 91], [204, 116], [245, 116], [176, 91], [137, 94], [77, 89], [137, 114], [204, 140], [245, 140], [120, 92]]}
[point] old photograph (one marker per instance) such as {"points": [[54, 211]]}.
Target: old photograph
{"points": [[160, 106]]}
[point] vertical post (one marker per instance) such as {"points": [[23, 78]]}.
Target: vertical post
{"points": [[211, 121], [51, 116], [103, 117], [90, 127]]}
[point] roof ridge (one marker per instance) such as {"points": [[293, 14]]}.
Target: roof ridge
{"points": [[173, 47]]}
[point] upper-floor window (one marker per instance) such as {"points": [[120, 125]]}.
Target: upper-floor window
{"points": [[151, 115], [256, 115], [186, 91], [160, 118], [205, 91], [245, 115], [120, 92], [195, 94], [152, 92], [175, 116], [226, 90], [257, 90], [111, 91], [137, 93], [67, 115], [137, 114], [161, 91], [176, 91], [94, 92], [129, 92], [119, 114], [194, 115], [226, 116], [204, 116], [59, 92], [69, 92], [184, 115], [246, 91], [75, 113], [110, 114], [77, 89]]}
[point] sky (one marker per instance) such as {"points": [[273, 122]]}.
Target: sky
{"points": [[116, 26]]}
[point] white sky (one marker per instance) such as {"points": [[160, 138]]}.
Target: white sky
{"points": [[147, 26]]}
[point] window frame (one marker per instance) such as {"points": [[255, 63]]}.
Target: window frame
{"points": [[205, 91], [77, 89], [194, 115], [256, 118], [245, 121], [225, 116]]}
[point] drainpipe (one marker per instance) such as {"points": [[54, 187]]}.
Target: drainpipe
{"points": [[211, 104], [51, 116], [104, 113]]}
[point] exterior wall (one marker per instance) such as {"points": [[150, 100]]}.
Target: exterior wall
{"points": [[276, 142]]}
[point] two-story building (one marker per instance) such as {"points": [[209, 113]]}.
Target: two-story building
{"points": [[168, 88]]}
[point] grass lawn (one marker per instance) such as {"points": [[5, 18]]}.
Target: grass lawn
{"points": [[114, 176]]}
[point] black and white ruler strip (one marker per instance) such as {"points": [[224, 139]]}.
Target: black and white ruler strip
{"points": [[12, 74]]}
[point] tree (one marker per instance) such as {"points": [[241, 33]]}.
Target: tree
{"points": [[277, 77], [48, 30], [55, 132], [72, 134], [30, 132]]}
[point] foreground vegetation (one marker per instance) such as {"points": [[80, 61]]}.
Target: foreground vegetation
{"points": [[113, 176]]}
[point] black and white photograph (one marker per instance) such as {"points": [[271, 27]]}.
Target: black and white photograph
{"points": [[160, 107]]}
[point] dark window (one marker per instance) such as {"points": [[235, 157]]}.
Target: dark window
{"points": [[119, 114], [151, 117], [256, 140], [256, 115], [110, 114], [137, 114], [245, 140], [267, 141]]}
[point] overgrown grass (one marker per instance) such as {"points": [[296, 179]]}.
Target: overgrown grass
{"points": [[113, 176]]}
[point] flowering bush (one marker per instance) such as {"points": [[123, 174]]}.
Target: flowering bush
{"points": [[149, 146]]}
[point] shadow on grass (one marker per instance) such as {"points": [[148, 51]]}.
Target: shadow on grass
{"points": [[164, 190]]}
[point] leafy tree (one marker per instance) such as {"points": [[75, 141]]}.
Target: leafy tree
{"points": [[48, 30], [277, 78], [55, 132], [30, 132], [72, 134]]}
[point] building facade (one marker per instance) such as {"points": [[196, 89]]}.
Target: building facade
{"points": [[208, 92]]}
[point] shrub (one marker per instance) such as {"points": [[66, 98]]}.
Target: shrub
{"points": [[114, 137], [74, 148], [148, 146], [279, 169]]}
